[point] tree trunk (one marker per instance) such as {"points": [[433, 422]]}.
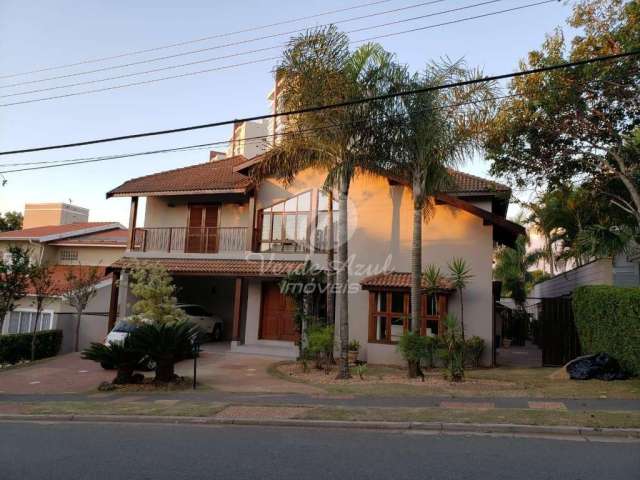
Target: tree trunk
{"points": [[342, 278], [331, 299], [416, 267], [461, 313], [35, 329], [165, 370], [304, 324], [76, 343], [123, 376]]}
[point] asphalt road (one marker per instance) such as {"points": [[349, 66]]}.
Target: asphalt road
{"points": [[124, 451]]}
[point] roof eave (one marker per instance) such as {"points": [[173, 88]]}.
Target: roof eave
{"points": [[169, 193]]}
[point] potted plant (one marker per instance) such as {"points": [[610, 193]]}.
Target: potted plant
{"points": [[506, 342], [354, 350]]}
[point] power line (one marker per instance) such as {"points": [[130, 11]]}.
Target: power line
{"points": [[187, 74], [319, 108], [197, 40], [215, 47], [46, 164], [246, 140]]}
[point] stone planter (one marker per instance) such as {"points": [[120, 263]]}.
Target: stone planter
{"points": [[353, 356]]}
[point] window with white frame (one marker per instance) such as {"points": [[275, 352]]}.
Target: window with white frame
{"points": [[22, 321], [68, 255]]}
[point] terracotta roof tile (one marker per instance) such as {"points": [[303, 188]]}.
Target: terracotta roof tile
{"points": [[117, 236], [45, 231], [246, 268], [59, 276], [467, 183], [397, 280], [205, 177]]}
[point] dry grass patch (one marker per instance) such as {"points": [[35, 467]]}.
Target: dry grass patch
{"points": [[596, 419], [494, 382], [181, 409]]}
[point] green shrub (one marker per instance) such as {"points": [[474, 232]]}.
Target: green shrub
{"points": [[608, 320], [16, 347], [412, 347], [474, 348], [117, 355], [453, 349], [321, 343]]}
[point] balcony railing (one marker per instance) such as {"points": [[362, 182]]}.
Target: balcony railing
{"points": [[191, 239]]}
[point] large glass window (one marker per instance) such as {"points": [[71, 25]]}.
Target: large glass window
{"points": [[285, 225], [21, 321], [390, 315], [322, 221]]}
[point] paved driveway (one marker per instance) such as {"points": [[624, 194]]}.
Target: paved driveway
{"points": [[217, 368]]}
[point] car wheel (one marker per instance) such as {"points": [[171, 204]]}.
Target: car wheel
{"points": [[216, 335]]}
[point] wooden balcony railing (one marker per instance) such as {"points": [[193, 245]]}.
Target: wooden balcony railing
{"points": [[191, 239]]}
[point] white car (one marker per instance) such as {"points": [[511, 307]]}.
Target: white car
{"points": [[210, 324]]}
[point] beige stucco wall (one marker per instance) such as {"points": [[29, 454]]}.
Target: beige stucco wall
{"points": [[92, 256], [380, 218], [159, 214], [42, 214]]}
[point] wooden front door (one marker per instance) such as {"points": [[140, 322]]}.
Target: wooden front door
{"points": [[202, 229], [276, 314]]}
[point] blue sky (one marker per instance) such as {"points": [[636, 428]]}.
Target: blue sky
{"points": [[38, 34]]}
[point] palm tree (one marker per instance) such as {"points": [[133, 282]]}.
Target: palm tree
{"points": [[432, 131], [512, 268], [460, 277], [318, 69]]}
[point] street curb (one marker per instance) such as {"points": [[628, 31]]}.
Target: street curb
{"points": [[588, 433]]}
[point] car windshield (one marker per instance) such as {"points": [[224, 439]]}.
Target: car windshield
{"points": [[124, 327]]}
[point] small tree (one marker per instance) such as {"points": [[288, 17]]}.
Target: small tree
{"points": [[82, 288], [304, 287], [453, 351], [44, 288], [156, 293], [460, 276], [14, 272]]}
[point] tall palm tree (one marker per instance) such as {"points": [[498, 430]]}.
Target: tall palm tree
{"points": [[432, 132], [513, 269], [318, 69]]}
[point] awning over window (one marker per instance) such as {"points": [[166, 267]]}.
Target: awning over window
{"points": [[398, 280]]}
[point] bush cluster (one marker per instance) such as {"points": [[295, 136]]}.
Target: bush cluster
{"points": [[608, 320], [16, 347]]}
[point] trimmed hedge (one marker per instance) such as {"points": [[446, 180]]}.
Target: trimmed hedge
{"points": [[608, 320], [17, 347]]}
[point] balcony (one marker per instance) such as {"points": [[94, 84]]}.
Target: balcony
{"points": [[191, 239]]}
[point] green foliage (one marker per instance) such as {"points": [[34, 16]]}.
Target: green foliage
{"points": [[361, 370], [321, 344], [11, 221], [580, 122], [474, 348], [433, 277], [512, 268], [417, 348], [453, 349], [15, 348], [165, 343], [354, 345], [305, 285], [608, 320], [460, 273], [154, 288], [118, 355], [14, 278]]}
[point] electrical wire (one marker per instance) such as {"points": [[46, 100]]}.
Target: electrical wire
{"points": [[318, 108], [196, 40], [145, 82]]}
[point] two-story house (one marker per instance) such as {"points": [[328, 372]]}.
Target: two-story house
{"points": [[228, 241], [61, 236]]}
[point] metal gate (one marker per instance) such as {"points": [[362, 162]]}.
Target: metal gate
{"points": [[559, 335]]}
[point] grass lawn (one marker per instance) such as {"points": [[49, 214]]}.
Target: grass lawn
{"points": [[494, 382], [598, 419], [181, 409]]}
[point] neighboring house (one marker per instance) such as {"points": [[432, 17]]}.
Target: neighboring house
{"points": [[623, 270], [65, 247], [228, 242]]}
